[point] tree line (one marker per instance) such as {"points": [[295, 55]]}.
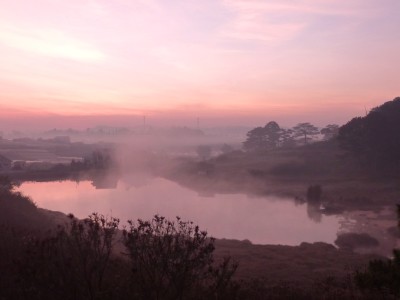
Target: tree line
{"points": [[372, 140], [273, 136]]}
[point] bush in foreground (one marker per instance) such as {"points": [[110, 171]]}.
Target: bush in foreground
{"points": [[174, 260]]}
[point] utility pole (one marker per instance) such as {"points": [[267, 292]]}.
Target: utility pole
{"points": [[198, 123]]}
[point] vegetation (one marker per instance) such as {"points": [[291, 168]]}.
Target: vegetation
{"points": [[374, 139], [73, 263], [330, 131], [382, 277], [358, 165], [164, 259], [306, 131], [174, 260], [272, 136], [262, 138], [93, 259]]}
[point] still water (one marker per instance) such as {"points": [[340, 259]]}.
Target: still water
{"points": [[262, 220]]}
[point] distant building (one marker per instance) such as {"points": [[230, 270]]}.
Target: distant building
{"points": [[5, 163]]}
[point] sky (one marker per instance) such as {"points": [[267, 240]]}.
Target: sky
{"points": [[77, 63]]}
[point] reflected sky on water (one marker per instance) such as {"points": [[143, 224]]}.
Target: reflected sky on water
{"points": [[262, 220]]}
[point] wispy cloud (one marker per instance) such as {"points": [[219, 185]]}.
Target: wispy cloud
{"points": [[327, 7], [304, 6], [48, 42], [175, 55], [252, 29], [275, 21]]}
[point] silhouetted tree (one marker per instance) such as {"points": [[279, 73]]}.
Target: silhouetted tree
{"points": [[305, 130], [273, 134], [287, 138], [262, 138], [255, 139], [330, 131]]}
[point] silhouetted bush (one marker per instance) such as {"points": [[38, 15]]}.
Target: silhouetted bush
{"points": [[165, 260], [73, 263], [12, 247], [382, 277], [174, 260]]}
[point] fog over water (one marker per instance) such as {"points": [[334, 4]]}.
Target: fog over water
{"points": [[262, 220]]}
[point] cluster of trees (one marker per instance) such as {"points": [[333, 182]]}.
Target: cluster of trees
{"points": [[99, 159], [272, 135], [375, 138]]}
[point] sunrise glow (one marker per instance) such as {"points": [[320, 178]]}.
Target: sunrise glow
{"points": [[247, 61]]}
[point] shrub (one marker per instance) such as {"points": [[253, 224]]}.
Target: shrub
{"points": [[174, 260], [72, 264]]}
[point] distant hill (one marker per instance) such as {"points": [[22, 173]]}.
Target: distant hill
{"points": [[375, 138]]}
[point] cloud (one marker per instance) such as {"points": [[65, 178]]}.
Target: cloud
{"points": [[277, 21], [327, 7], [251, 29], [48, 42]]}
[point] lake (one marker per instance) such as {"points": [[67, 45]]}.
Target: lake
{"points": [[262, 220]]}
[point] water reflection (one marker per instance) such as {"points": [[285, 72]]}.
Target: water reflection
{"points": [[314, 202], [314, 212], [105, 182], [263, 220]]}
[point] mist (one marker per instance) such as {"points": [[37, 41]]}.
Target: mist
{"points": [[194, 150]]}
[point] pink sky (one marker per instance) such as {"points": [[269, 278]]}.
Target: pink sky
{"points": [[67, 63]]}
